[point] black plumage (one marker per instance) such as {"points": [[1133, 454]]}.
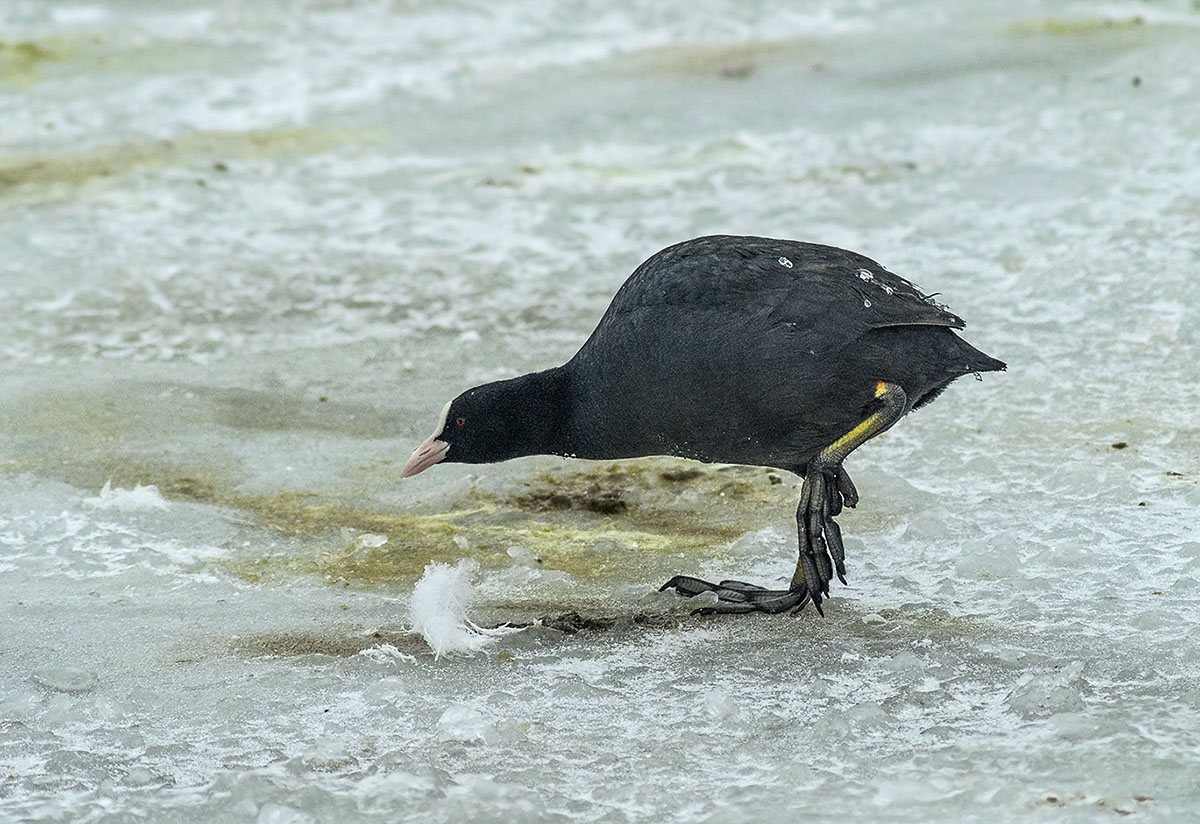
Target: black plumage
{"points": [[735, 350]]}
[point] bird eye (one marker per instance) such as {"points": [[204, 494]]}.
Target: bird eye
{"points": [[461, 422]]}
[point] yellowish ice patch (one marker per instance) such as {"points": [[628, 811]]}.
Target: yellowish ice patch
{"points": [[1061, 27], [210, 152], [19, 61], [621, 521]]}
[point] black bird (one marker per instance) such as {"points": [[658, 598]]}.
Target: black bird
{"points": [[742, 350]]}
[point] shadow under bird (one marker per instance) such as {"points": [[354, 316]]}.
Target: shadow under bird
{"points": [[742, 350]]}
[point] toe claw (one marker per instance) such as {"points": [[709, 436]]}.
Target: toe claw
{"points": [[837, 550]]}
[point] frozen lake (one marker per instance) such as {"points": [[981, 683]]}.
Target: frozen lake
{"points": [[248, 251]]}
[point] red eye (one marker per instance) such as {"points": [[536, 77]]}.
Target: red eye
{"points": [[461, 422]]}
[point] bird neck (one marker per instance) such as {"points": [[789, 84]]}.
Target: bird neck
{"points": [[537, 408], [557, 412]]}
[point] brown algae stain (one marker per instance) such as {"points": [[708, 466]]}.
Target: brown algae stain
{"points": [[281, 644], [188, 487], [732, 61], [213, 148]]}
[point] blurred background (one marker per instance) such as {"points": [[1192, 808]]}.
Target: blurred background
{"points": [[249, 250]]}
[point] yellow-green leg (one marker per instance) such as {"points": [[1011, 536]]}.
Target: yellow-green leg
{"points": [[826, 488]]}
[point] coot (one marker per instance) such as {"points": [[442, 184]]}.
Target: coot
{"points": [[744, 350]]}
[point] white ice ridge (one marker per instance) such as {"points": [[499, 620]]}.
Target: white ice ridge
{"points": [[138, 499], [438, 610]]}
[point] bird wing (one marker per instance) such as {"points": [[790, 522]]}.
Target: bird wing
{"points": [[865, 294]]}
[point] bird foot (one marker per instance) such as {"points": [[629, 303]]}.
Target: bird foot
{"points": [[737, 597], [826, 489]]}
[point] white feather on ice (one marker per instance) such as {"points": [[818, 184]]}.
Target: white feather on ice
{"points": [[438, 610]]}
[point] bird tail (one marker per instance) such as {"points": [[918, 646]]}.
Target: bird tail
{"points": [[976, 361]]}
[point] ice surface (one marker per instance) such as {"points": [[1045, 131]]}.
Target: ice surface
{"points": [[1049, 693], [462, 723], [250, 250], [272, 813], [66, 679]]}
